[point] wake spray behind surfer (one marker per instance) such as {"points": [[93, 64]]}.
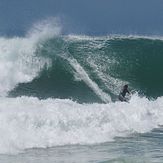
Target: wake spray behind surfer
{"points": [[123, 93]]}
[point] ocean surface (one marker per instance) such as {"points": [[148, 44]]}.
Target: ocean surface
{"points": [[59, 100]]}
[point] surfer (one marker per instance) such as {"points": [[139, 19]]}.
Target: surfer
{"points": [[123, 93]]}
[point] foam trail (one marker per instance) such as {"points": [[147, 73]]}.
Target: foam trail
{"points": [[84, 76], [18, 60], [99, 61], [27, 122], [110, 82]]}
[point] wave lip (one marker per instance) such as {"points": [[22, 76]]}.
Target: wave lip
{"points": [[19, 62]]}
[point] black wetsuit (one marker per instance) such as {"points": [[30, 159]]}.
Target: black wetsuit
{"points": [[124, 91], [123, 94]]}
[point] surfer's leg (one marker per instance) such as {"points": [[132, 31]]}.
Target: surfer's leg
{"points": [[121, 98]]}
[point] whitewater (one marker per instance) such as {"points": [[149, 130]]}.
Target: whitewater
{"points": [[59, 93], [28, 122]]}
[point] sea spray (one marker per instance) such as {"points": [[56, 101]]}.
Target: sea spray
{"points": [[18, 60]]}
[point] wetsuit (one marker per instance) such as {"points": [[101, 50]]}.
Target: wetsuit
{"points": [[123, 94]]}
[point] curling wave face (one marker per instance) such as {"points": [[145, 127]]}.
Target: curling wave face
{"points": [[18, 60], [90, 69]]}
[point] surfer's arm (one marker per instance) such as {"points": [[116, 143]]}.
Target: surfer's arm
{"points": [[128, 91]]}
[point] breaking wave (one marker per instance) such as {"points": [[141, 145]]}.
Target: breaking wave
{"points": [[61, 90]]}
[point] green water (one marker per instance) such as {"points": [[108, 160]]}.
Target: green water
{"points": [[108, 62]]}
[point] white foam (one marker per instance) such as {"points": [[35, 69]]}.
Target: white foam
{"points": [[18, 60], [81, 73], [27, 122], [112, 37]]}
